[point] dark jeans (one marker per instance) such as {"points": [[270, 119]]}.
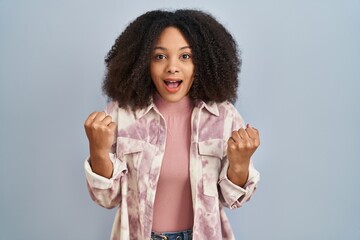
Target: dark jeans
{"points": [[182, 235]]}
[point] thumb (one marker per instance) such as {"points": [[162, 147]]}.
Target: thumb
{"points": [[112, 126]]}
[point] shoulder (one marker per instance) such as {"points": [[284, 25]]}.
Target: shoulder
{"points": [[231, 115], [227, 107], [112, 107], [218, 108]]}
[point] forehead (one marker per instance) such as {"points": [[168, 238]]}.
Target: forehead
{"points": [[171, 37]]}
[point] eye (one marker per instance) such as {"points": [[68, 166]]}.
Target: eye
{"points": [[159, 57], [186, 56]]}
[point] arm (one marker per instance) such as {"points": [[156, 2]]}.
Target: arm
{"points": [[103, 169], [232, 195], [238, 177], [100, 131], [241, 146]]}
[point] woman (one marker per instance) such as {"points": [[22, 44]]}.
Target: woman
{"points": [[170, 146]]}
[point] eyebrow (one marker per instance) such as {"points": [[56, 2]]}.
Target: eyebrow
{"points": [[162, 48]]}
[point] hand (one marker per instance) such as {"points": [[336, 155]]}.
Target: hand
{"points": [[241, 146], [100, 131]]}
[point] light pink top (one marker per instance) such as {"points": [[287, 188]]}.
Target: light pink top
{"points": [[137, 157], [173, 209]]}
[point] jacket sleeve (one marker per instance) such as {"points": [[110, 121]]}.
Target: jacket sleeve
{"points": [[231, 195], [107, 192]]}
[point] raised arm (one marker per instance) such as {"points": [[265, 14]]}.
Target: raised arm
{"points": [[103, 169], [241, 146], [100, 131]]}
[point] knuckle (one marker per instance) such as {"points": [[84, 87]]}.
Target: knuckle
{"points": [[240, 146], [232, 146], [109, 130], [87, 127], [93, 114], [245, 144], [95, 126]]}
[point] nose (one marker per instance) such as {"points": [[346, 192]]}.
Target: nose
{"points": [[172, 67], [172, 70]]}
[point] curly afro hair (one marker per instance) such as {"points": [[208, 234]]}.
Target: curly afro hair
{"points": [[215, 56]]}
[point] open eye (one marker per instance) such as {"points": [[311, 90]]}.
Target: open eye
{"points": [[159, 56], [186, 56]]}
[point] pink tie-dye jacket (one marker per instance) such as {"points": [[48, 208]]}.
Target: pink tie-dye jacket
{"points": [[137, 155]]}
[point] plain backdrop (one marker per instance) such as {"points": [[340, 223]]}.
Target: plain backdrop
{"points": [[300, 84]]}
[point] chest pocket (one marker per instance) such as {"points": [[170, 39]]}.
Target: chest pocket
{"points": [[211, 153], [137, 154]]}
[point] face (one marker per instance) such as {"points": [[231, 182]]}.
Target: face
{"points": [[171, 66]]}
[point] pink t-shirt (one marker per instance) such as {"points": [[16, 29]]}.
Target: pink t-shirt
{"points": [[173, 209]]}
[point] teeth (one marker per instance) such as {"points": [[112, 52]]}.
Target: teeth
{"points": [[173, 83]]}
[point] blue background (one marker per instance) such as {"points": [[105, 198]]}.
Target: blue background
{"points": [[300, 85]]}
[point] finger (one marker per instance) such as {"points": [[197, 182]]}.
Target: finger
{"points": [[231, 141], [254, 135], [232, 145], [235, 137], [238, 143], [107, 120], [255, 129], [90, 118], [243, 134], [112, 126], [99, 117], [252, 132]]}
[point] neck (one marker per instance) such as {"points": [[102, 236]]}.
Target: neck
{"points": [[174, 108]]}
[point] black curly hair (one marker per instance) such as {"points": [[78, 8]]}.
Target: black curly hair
{"points": [[215, 56]]}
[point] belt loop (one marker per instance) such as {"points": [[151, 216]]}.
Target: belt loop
{"points": [[163, 237]]}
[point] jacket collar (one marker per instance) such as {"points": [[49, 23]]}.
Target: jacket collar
{"points": [[142, 112], [210, 107]]}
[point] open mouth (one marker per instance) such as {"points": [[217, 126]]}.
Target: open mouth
{"points": [[173, 83]]}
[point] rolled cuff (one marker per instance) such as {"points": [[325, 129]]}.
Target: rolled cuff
{"points": [[96, 181], [233, 195]]}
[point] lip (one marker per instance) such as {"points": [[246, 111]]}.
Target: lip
{"points": [[172, 89], [172, 79]]}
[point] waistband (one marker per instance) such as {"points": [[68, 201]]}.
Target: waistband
{"points": [[181, 235]]}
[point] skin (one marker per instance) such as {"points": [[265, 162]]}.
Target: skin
{"points": [[241, 146], [100, 131], [171, 61]]}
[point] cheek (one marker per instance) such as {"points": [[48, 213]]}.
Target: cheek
{"points": [[154, 71], [191, 69], [191, 73]]}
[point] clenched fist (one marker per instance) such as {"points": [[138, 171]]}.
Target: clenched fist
{"points": [[241, 146], [100, 131]]}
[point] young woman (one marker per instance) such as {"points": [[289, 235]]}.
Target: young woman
{"points": [[171, 150]]}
